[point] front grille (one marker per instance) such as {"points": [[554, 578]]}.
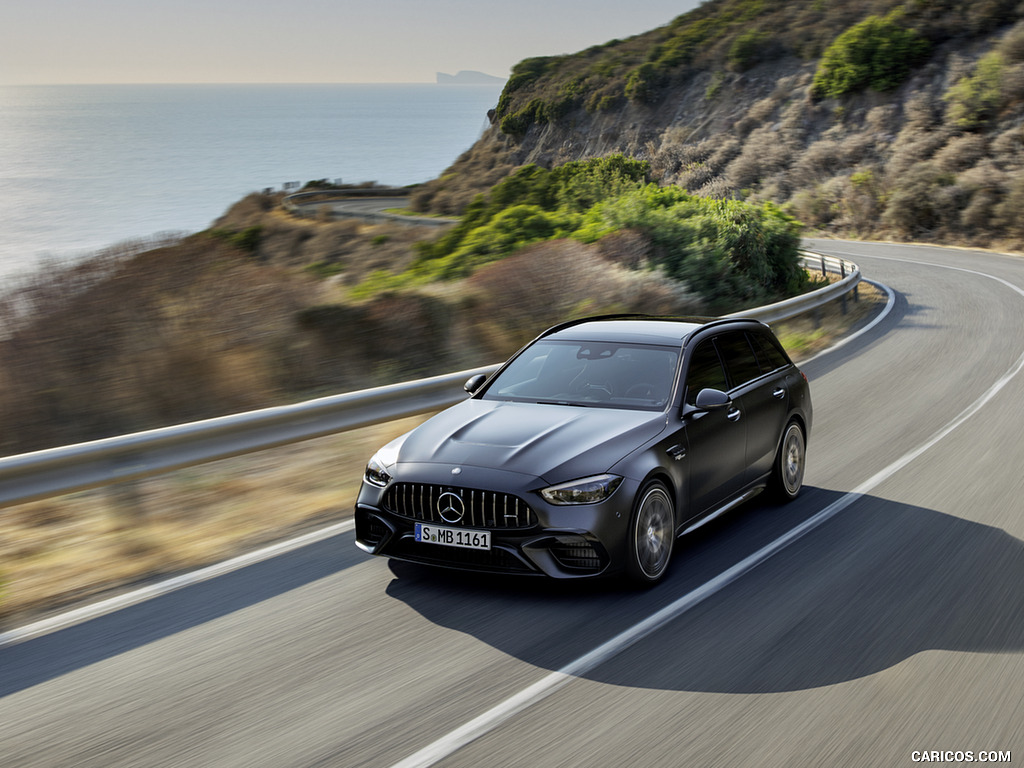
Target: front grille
{"points": [[481, 509]]}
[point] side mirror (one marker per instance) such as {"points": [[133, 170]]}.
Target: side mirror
{"points": [[712, 400], [707, 400], [474, 383]]}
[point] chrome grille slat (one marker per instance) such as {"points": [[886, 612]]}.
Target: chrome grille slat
{"points": [[483, 509]]}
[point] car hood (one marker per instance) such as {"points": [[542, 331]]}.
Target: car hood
{"points": [[552, 442]]}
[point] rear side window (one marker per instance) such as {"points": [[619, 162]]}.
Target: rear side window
{"points": [[769, 356], [740, 361], [705, 371]]}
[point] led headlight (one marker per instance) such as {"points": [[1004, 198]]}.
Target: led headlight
{"points": [[378, 468], [376, 472], [588, 490]]}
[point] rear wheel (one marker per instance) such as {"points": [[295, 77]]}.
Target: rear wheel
{"points": [[651, 534], [788, 472]]}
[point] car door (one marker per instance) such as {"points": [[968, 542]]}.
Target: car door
{"points": [[761, 391], [783, 382], [716, 440]]}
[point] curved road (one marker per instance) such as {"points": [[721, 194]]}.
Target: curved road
{"points": [[879, 615]]}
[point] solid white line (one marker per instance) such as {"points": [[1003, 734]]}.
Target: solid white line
{"points": [[544, 687], [134, 597]]}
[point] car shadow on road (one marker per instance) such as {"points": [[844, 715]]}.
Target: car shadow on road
{"points": [[872, 587]]}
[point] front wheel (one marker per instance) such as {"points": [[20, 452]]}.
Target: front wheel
{"points": [[651, 535], [788, 472]]}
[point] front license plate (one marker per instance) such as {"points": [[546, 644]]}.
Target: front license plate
{"points": [[453, 537]]}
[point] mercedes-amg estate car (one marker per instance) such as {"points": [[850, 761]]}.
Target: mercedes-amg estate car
{"points": [[592, 449]]}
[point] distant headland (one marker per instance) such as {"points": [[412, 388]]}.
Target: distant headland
{"points": [[468, 77]]}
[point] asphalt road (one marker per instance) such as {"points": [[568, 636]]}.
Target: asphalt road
{"points": [[893, 624]]}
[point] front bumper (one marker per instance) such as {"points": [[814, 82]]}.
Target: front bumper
{"points": [[563, 542]]}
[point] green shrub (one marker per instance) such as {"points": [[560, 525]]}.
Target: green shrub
{"points": [[644, 83], [247, 240], [728, 251], [877, 53], [749, 48], [975, 99], [377, 283]]}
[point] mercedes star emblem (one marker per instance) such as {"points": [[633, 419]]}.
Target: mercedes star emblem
{"points": [[450, 507]]}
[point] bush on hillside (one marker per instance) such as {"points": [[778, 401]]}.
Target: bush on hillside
{"points": [[915, 205], [728, 251], [877, 53], [560, 280], [530, 205], [975, 99]]}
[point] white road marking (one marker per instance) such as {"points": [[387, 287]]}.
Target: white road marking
{"points": [[103, 607], [492, 718]]}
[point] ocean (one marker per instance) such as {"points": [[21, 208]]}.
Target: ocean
{"points": [[83, 167]]}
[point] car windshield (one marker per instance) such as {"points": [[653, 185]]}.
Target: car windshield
{"points": [[602, 374]]}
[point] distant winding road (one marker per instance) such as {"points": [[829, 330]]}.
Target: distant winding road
{"points": [[880, 614]]}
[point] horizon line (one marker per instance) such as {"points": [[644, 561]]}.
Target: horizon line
{"points": [[248, 82]]}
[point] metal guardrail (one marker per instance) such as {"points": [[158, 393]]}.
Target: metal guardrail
{"points": [[783, 310], [69, 468]]}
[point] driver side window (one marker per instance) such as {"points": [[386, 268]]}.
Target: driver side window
{"points": [[705, 371]]}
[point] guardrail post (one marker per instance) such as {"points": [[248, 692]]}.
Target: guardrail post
{"points": [[842, 275], [824, 271]]}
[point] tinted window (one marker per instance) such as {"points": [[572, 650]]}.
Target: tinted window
{"points": [[705, 371], [739, 358], [769, 356]]}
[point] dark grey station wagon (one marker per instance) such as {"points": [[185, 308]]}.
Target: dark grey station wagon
{"points": [[592, 449]]}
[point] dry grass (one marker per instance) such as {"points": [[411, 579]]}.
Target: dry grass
{"points": [[75, 548], [81, 547]]}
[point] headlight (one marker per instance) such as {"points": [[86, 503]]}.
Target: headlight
{"points": [[376, 473], [378, 468], [588, 490]]}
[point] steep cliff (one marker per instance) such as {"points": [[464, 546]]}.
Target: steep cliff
{"points": [[886, 118]]}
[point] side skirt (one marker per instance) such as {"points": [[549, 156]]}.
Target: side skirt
{"points": [[744, 497]]}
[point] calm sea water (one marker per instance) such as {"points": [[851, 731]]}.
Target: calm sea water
{"points": [[84, 167]]}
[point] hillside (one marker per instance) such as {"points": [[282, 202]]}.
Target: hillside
{"points": [[880, 119]]}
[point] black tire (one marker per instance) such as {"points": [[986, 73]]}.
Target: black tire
{"points": [[652, 535], [788, 470]]}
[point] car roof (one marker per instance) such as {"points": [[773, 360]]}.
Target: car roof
{"points": [[637, 329]]}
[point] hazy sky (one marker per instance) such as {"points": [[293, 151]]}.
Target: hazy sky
{"points": [[158, 41]]}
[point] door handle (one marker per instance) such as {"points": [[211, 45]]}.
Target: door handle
{"points": [[779, 393], [734, 415]]}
